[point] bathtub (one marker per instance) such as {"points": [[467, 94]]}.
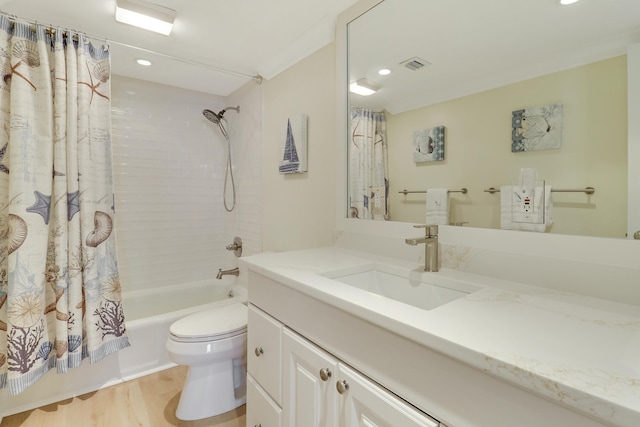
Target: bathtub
{"points": [[148, 314]]}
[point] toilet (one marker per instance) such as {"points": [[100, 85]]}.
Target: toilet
{"points": [[213, 344]]}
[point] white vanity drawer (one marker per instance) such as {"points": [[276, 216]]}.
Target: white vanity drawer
{"points": [[261, 410], [264, 348]]}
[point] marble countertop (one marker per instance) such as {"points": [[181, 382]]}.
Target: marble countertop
{"points": [[581, 352]]}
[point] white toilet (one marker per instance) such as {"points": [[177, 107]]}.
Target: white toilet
{"points": [[213, 344]]}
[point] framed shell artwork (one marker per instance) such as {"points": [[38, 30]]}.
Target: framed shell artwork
{"points": [[428, 145], [537, 128]]}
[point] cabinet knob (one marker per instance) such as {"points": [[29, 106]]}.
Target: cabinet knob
{"points": [[342, 386], [325, 374], [258, 425], [259, 351]]}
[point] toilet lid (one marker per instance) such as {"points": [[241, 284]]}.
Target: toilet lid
{"points": [[219, 322]]}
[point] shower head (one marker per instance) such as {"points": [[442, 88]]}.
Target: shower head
{"points": [[216, 117], [211, 116]]}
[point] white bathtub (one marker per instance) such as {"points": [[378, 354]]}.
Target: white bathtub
{"points": [[148, 317]]}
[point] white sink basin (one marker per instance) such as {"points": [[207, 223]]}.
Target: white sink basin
{"points": [[423, 290]]}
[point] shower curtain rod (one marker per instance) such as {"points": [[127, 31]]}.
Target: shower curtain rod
{"points": [[257, 78]]}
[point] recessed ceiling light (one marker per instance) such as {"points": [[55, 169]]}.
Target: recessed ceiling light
{"points": [[566, 2], [143, 62], [384, 71]]}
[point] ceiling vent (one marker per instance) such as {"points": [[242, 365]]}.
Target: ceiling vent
{"points": [[415, 63]]}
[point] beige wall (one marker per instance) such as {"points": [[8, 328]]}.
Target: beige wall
{"points": [[299, 209], [478, 151]]}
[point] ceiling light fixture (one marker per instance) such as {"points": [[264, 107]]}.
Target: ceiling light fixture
{"points": [[566, 2], [142, 14], [384, 71], [143, 62], [364, 87]]}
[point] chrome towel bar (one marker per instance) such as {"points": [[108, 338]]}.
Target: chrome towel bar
{"points": [[463, 191], [587, 190]]}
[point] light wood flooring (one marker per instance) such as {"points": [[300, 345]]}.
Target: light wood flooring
{"points": [[148, 401]]}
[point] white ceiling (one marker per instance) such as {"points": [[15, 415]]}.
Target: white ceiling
{"points": [[472, 45], [477, 45], [252, 37]]}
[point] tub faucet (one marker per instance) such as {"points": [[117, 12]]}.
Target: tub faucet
{"points": [[232, 272], [236, 246], [430, 241]]}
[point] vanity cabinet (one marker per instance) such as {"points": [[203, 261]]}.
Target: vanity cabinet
{"points": [[367, 404], [393, 380], [319, 390], [262, 411], [309, 378], [292, 382], [264, 369]]}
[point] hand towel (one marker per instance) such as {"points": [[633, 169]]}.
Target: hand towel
{"points": [[539, 219], [437, 206], [528, 178]]}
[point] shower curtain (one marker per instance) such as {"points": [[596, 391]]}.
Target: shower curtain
{"points": [[368, 165], [60, 297]]}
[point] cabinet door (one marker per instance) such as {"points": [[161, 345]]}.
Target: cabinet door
{"points": [[309, 396], [261, 410], [365, 404], [264, 348]]}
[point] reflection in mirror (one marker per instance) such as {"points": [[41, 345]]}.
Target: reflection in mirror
{"points": [[446, 117]]}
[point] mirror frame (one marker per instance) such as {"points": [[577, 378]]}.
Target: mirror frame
{"points": [[344, 223], [633, 138], [391, 228]]}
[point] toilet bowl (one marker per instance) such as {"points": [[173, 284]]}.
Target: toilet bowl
{"points": [[213, 344]]}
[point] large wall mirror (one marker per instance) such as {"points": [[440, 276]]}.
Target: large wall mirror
{"points": [[458, 73]]}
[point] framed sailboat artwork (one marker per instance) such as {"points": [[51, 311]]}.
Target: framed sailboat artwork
{"points": [[293, 152]]}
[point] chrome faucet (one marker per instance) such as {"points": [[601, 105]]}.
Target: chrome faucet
{"points": [[430, 241], [232, 272]]}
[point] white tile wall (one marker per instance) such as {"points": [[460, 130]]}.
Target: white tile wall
{"points": [[246, 140], [169, 165]]}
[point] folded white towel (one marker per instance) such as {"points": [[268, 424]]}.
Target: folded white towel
{"points": [[528, 178], [437, 206], [539, 218]]}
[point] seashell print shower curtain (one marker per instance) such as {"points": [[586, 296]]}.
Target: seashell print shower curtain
{"points": [[60, 297], [368, 165]]}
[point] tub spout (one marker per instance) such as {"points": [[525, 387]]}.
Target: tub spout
{"points": [[232, 272]]}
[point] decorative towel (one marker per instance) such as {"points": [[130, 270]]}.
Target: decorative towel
{"points": [[528, 178], [538, 219], [438, 206]]}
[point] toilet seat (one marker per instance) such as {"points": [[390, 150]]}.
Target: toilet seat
{"points": [[211, 325]]}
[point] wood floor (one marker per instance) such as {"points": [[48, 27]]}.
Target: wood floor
{"points": [[148, 401]]}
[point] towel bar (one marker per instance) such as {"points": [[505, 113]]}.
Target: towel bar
{"points": [[463, 191], [586, 190]]}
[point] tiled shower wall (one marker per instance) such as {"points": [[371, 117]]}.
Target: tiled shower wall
{"points": [[245, 131], [169, 165]]}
